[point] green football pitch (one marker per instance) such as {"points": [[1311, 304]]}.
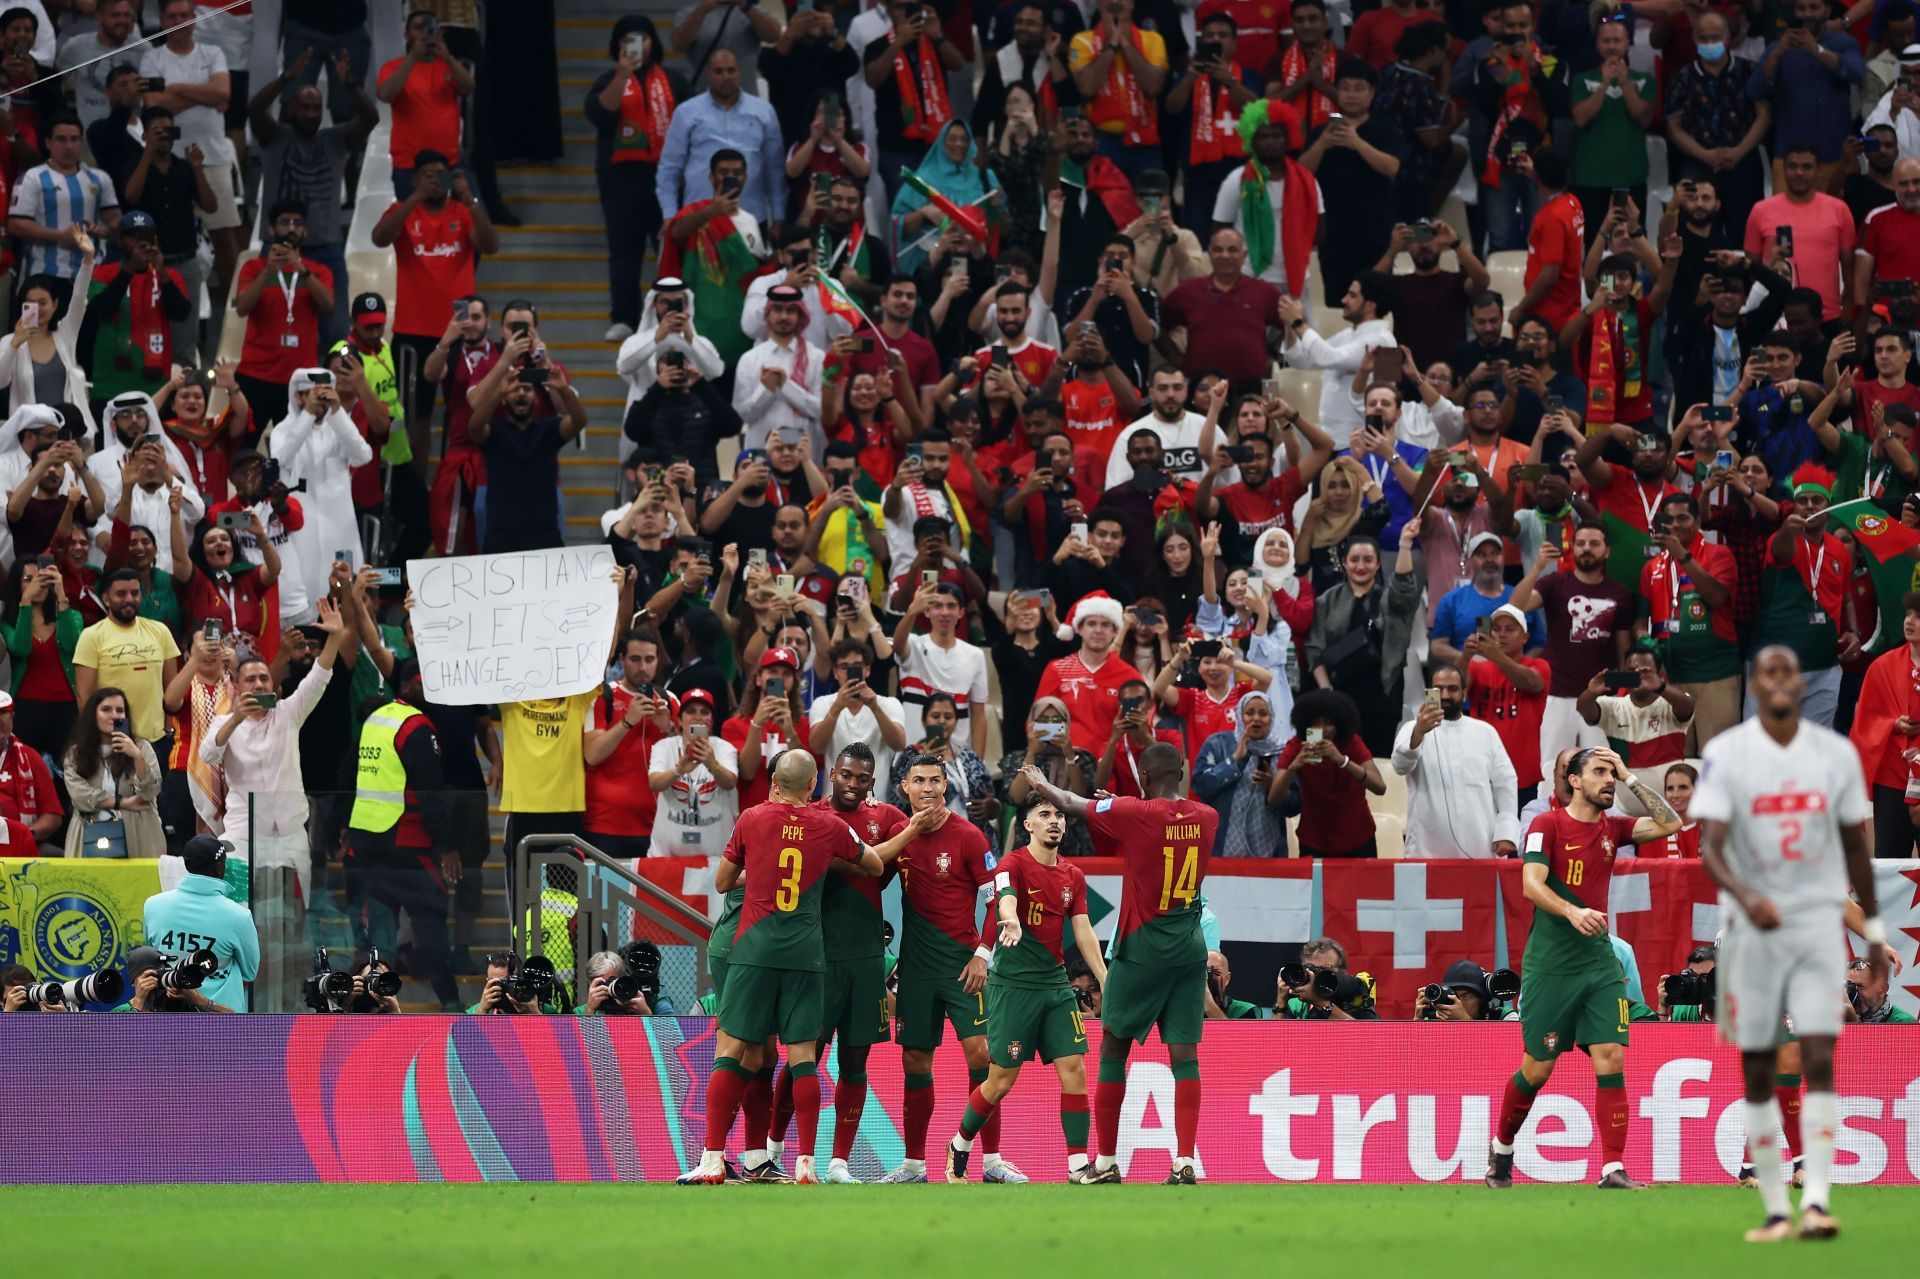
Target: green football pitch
{"points": [[924, 1232]]}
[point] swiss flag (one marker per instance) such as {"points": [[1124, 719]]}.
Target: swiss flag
{"points": [[1403, 922]]}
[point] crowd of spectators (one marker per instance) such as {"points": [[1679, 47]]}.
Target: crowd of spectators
{"points": [[957, 355]]}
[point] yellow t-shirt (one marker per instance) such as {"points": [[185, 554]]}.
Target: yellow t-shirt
{"points": [[1101, 111], [132, 659], [544, 768]]}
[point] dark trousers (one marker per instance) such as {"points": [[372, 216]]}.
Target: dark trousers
{"points": [[632, 213], [1341, 262], [418, 395], [519, 826], [268, 400], [1893, 834], [417, 888]]}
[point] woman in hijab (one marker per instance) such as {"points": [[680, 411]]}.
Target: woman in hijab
{"points": [[1233, 774], [1051, 750], [1349, 502], [952, 168]]}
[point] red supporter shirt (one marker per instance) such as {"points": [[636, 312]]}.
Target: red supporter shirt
{"points": [[879, 451], [772, 742], [466, 365], [1825, 567], [1206, 715], [207, 460], [1035, 361], [19, 840], [923, 362], [235, 598], [1093, 418], [1334, 817], [1559, 238], [1514, 714], [1092, 695], [1684, 842], [619, 801], [1376, 32], [1227, 331], [283, 331], [26, 786], [1165, 846], [1892, 235], [1258, 24], [433, 265], [426, 115], [1630, 499], [1254, 511], [1868, 392]]}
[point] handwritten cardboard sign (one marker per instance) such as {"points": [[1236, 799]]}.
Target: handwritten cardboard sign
{"points": [[507, 628]]}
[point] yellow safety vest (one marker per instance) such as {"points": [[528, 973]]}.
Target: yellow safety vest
{"points": [[380, 788]]}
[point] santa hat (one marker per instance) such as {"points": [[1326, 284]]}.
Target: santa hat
{"points": [[1096, 604]]}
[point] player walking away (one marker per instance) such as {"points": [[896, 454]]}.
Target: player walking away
{"points": [[1783, 809], [1159, 970], [1572, 990], [774, 976], [1031, 1008], [944, 950], [854, 931]]}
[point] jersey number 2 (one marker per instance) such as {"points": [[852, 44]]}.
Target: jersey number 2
{"points": [[1790, 850], [786, 893], [1184, 886]]}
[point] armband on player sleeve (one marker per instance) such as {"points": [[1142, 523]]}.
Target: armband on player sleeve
{"points": [[1002, 885], [1535, 849]]}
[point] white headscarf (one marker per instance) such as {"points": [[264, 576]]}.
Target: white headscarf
{"points": [[1276, 579]]}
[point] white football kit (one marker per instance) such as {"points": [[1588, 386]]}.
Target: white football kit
{"points": [[1784, 807]]}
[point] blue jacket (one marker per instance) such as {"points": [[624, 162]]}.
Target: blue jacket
{"points": [[199, 914]]}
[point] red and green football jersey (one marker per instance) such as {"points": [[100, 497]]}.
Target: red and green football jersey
{"points": [[941, 875], [785, 851], [1579, 860], [851, 917], [1165, 846], [720, 941], [1045, 898]]}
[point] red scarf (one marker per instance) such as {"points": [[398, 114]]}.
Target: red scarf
{"points": [[1120, 100], [1603, 371], [924, 108], [1215, 124], [1667, 583], [646, 108], [1293, 69], [1517, 101]]}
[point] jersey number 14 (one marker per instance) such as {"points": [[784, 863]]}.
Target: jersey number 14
{"points": [[1184, 886]]}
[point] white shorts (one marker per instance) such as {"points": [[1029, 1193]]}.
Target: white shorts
{"points": [[222, 177], [1796, 971]]}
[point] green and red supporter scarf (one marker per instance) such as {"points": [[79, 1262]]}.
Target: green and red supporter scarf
{"points": [[722, 266], [924, 107], [646, 108]]}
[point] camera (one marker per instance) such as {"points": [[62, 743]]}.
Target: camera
{"points": [[326, 991], [1342, 989], [103, 987], [642, 977], [383, 983], [533, 983], [190, 973], [1689, 987]]}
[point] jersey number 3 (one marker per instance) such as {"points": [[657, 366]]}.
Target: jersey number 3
{"points": [[786, 893], [1184, 886]]}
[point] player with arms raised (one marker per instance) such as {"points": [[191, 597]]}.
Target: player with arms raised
{"points": [[774, 978], [943, 963], [1159, 970], [1572, 990], [1031, 1008], [1783, 808]]}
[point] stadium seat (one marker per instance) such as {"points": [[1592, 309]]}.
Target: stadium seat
{"points": [[1508, 269]]}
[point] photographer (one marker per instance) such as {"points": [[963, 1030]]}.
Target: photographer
{"points": [[197, 914], [1461, 994], [1086, 987], [364, 999], [610, 973], [1219, 1007], [506, 982], [1869, 998], [1688, 995], [14, 980], [1302, 999], [146, 967]]}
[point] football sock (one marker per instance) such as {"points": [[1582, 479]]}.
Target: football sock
{"points": [[918, 1114], [1109, 1091], [1763, 1152], [782, 1111], [1186, 1106], [990, 1134], [1786, 1090], [1610, 1098], [725, 1086], [979, 1111], [758, 1106], [1514, 1108], [1822, 1116], [806, 1103], [1073, 1125], [849, 1104]]}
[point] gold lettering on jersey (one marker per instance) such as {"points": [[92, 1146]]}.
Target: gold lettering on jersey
{"points": [[1184, 832], [793, 832]]}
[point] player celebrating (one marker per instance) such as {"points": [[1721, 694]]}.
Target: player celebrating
{"points": [[1781, 802], [774, 976], [1159, 970], [1572, 990], [855, 1001], [1031, 1008], [943, 963]]}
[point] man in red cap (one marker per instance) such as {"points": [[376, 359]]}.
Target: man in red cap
{"points": [[1089, 681], [772, 717]]}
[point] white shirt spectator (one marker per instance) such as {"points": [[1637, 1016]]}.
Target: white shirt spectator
{"points": [[695, 816], [266, 817], [917, 500], [197, 125], [796, 403], [640, 354], [823, 326], [1180, 439], [1461, 790], [58, 200], [322, 453], [90, 84], [926, 668], [861, 724], [1339, 357], [1906, 127], [1440, 427]]}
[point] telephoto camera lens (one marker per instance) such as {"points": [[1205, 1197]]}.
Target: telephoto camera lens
{"points": [[383, 984], [192, 972], [1503, 984], [45, 992], [534, 982], [1293, 974], [103, 987], [623, 990]]}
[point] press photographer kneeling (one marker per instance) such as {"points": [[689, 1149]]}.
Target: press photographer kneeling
{"points": [[625, 982], [1319, 987], [163, 985], [1467, 992], [514, 986]]}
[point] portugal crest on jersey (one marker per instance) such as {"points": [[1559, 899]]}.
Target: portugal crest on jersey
{"points": [[1552, 1040], [1066, 899], [944, 862]]}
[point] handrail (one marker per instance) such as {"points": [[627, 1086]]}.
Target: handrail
{"points": [[604, 886]]}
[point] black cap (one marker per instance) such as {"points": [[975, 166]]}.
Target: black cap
{"points": [[1464, 974], [204, 855], [369, 306], [142, 959]]}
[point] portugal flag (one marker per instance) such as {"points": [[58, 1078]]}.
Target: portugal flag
{"points": [[1888, 546]]}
